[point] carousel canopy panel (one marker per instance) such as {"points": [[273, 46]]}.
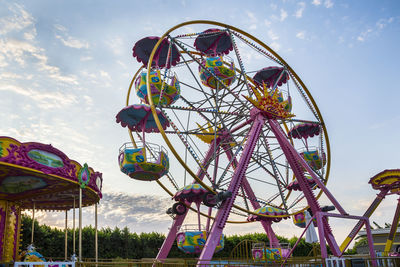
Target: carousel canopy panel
{"points": [[41, 174]]}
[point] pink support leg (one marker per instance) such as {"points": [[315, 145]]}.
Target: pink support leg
{"points": [[170, 239], [266, 224], [223, 212], [297, 164], [324, 253], [370, 242], [273, 240], [177, 223]]}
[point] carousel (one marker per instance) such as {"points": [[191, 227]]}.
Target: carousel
{"points": [[36, 176]]}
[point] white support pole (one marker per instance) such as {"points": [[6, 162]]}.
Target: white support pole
{"points": [[33, 221], [80, 224], [96, 246], [66, 235], [73, 230]]}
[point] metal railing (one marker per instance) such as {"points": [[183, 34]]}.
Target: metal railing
{"points": [[347, 261], [45, 264]]}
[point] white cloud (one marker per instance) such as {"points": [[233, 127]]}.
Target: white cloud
{"points": [[88, 100], [316, 2], [122, 64], [379, 26], [60, 27], [10, 76], [86, 58], [73, 42], [363, 35], [328, 3], [116, 209], [18, 51], [116, 44], [17, 22], [251, 16], [283, 15], [301, 35], [45, 100], [68, 40], [267, 23], [273, 35], [253, 27], [299, 12], [105, 75], [275, 46], [3, 62], [382, 23], [30, 35]]}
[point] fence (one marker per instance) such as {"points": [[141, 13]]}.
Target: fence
{"points": [[45, 264], [356, 261]]}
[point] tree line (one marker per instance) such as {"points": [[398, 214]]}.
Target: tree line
{"points": [[121, 243]]}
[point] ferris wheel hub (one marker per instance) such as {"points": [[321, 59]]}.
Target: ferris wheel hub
{"points": [[271, 101]]}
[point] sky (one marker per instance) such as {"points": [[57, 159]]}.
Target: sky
{"points": [[65, 67]]}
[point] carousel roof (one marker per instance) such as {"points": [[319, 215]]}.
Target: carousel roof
{"points": [[38, 173], [387, 179]]}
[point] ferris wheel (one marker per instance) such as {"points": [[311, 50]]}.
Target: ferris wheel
{"points": [[248, 136]]}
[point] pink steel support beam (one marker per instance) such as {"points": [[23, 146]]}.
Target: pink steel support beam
{"points": [[265, 222], [226, 206], [298, 241], [169, 240], [325, 232], [177, 223], [273, 240], [370, 243], [305, 165], [324, 253], [297, 164]]}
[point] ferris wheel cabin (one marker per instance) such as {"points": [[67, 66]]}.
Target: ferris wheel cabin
{"points": [[191, 240], [165, 88], [217, 72], [146, 163]]}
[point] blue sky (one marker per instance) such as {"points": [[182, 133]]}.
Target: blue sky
{"points": [[65, 67]]}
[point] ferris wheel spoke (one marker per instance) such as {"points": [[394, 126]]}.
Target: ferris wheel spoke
{"points": [[180, 44], [230, 115], [241, 65], [262, 166], [244, 197], [296, 201], [305, 98], [275, 171], [188, 67], [257, 48], [195, 88]]}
